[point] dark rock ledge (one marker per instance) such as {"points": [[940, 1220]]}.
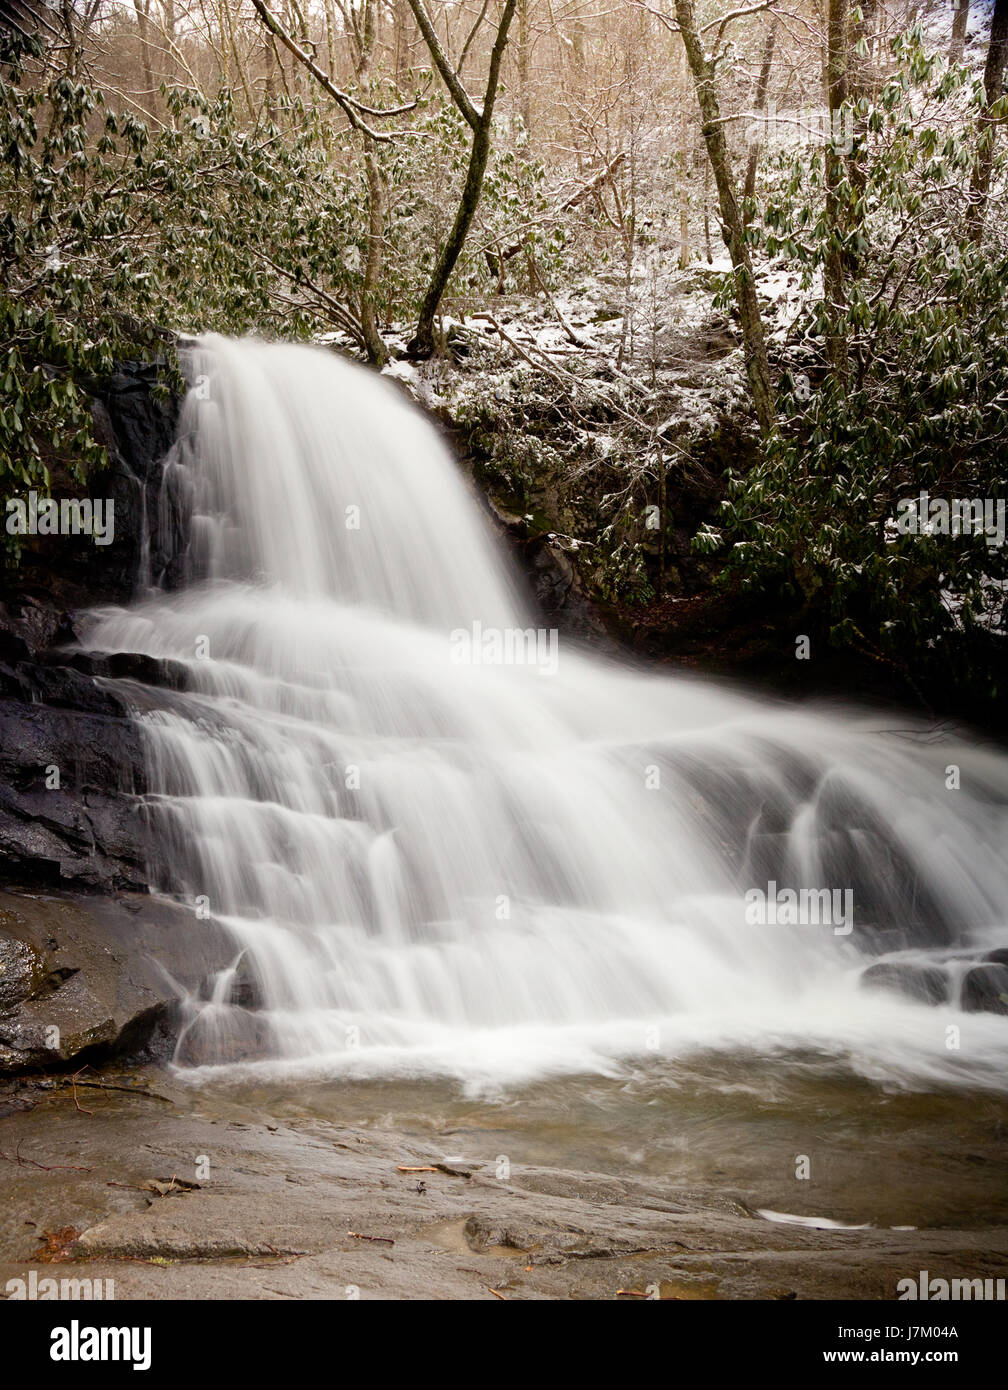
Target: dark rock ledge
{"points": [[84, 977]]}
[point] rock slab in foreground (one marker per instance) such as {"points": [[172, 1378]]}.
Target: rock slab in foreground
{"points": [[316, 1211]]}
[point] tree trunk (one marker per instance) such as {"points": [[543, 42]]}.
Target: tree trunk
{"points": [[959, 26], [994, 71], [524, 57], [754, 345], [330, 27], [422, 343], [762, 85], [684, 162], [376, 349], [238, 64], [706, 212], [142, 8], [837, 186]]}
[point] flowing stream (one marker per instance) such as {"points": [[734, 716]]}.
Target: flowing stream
{"points": [[444, 849]]}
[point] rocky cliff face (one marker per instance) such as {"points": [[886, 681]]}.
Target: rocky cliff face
{"points": [[71, 765], [89, 963]]}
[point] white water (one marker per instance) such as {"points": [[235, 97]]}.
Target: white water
{"points": [[503, 894]]}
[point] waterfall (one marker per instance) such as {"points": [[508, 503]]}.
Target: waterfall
{"points": [[442, 841]]}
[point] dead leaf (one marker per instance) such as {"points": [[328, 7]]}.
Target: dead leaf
{"points": [[58, 1245], [168, 1189]]}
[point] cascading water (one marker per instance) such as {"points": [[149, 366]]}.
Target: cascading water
{"points": [[493, 868]]}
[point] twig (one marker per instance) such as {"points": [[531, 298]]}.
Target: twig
{"points": [[496, 1294], [127, 1090], [46, 1167], [403, 1169], [73, 1083], [378, 1240], [572, 337]]}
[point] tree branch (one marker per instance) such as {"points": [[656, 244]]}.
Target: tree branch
{"points": [[449, 76], [472, 34], [354, 110]]}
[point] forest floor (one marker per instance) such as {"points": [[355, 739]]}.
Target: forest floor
{"points": [[100, 1184]]}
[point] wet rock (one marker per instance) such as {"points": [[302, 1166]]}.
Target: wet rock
{"points": [[60, 1027], [222, 1033], [70, 787], [99, 976], [157, 671], [553, 576], [985, 989], [22, 971], [246, 986], [927, 983], [30, 625], [136, 425], [72, 770]]}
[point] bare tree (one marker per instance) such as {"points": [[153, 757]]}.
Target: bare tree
{"points": [[376, 350], [421, 345], [356, 111], [837, 185], [994, 72], [762, 86], [754, 345]]}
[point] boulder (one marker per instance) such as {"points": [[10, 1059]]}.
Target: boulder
{"points": [[223, 1033], [84, 976], [985, 989], [928, 984], [136, 425], [72, 770], [22, 972]]}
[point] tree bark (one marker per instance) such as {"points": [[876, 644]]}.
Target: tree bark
{"points": [[959, 26], [684, 163], [376, 349], [837, 186], [754, 345], [422, 343], [524, 63], [762, 86], [706, 212], [994, 72]]}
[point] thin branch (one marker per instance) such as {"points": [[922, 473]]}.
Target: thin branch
{"points": [[353, 109], [472, 34], [720, 24]]}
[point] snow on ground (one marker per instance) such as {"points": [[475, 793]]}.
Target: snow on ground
{"points": [[673, 363], [673, 353]]}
